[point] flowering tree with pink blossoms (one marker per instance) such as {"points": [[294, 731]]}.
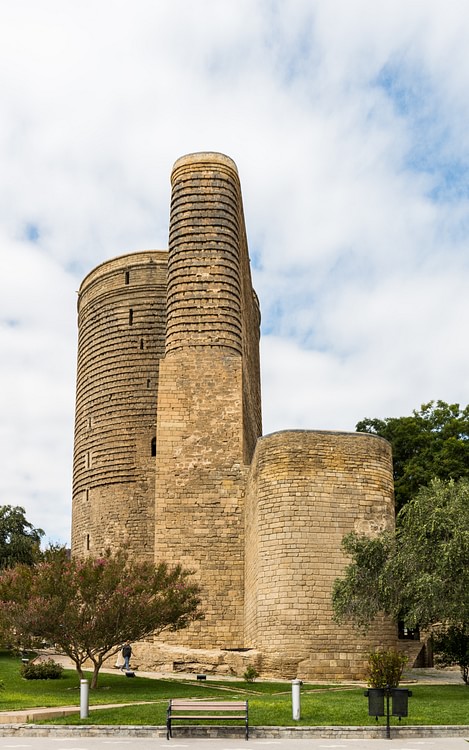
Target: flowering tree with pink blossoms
{"points": [[90, 607]]}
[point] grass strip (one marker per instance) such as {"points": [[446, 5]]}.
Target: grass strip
{"points": [[429, 705], [269, 702]]}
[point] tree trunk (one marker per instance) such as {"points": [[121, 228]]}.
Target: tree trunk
{"points": [[78, 667], [94, 679]]}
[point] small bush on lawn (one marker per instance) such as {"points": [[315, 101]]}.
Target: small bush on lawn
{"points": [[250, 674], [46, 670]]}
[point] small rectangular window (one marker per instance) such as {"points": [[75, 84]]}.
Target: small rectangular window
{"points": [[127, 277], [131, 317]]}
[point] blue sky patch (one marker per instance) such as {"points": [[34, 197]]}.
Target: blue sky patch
{"points": [[433, 149], [31, 232]]}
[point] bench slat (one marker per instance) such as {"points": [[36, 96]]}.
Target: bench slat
{"points": [[201, 704], [212, 716], [208, 708]]}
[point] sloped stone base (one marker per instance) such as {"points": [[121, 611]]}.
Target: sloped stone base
{"points": [[161, 657]]}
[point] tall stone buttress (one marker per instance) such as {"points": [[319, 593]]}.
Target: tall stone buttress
{"points": [[209, 415]]}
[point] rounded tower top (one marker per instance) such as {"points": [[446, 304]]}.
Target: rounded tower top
{"points": [[204, 157], [123, 273], [204, 268]]}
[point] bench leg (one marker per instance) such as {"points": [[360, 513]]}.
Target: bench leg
{"points": [[168, 729]]}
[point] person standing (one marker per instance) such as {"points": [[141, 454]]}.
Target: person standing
{"points": [[126, 653]]}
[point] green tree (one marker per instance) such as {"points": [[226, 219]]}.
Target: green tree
{"points": [[364, 591], [19, 540], [432, 442], [452, 647], [91, 607], [420, 573]]}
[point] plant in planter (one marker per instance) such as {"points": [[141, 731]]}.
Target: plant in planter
{"points": [[384, 674], [385, 668]]}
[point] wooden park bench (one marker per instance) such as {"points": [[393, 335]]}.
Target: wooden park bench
{"points": [[209, 710]]}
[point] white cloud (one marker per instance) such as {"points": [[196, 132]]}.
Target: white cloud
{"points": [[348, 122]]}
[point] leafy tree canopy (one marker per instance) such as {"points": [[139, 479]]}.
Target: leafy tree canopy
{"points": [[91, 607], [420, 573], [432, 442], [19, 540]]}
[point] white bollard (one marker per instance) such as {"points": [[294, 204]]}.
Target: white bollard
{"points": [[84, 699], [295, 699]]}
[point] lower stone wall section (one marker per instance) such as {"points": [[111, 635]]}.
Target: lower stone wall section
{"points": [[152, 732], [169, 658], [172, 659]]}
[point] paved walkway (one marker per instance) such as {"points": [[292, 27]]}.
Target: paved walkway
{"points": [[193, 743]]}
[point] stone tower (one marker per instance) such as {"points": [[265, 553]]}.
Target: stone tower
{"points": [[121, 329], [306, 490], [170, 463], [209, 415]]}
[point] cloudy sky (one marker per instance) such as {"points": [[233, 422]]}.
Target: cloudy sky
{"points": [[348, 120]]}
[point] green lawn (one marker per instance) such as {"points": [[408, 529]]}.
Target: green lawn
{"points": [[269, 702], [447, 704]]}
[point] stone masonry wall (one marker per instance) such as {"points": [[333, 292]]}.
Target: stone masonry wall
{"points": [[251, 323], [199, 488], [204, 284], [121, 317], [204, 426], [305, 491]]}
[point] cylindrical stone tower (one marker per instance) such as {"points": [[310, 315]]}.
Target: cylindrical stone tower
{"points": [[121, 318], [306, 491], [209, 393]]}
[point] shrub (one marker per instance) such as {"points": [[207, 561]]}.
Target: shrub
{"points": [[452, 647], [385, 668], [250, 674], [45, 670]]}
